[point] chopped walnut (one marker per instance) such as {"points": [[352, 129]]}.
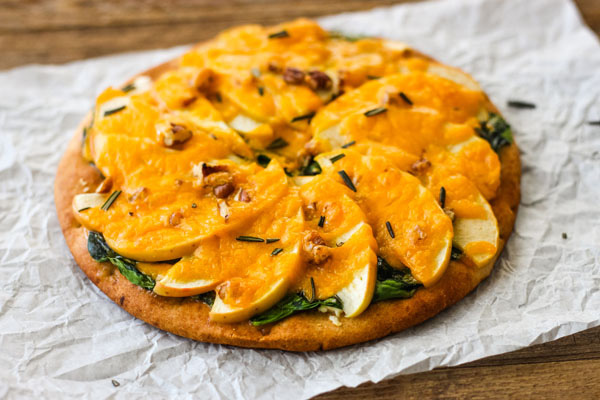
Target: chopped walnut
{"points": [[274, 66], [105, 186], [315, 248], [223, 190], [138, 194], [420, 166], [175, 218], [318, 80], [203, 170], [223, 209], [171, 133], [204, 80], [243, 196], [293, 76]]}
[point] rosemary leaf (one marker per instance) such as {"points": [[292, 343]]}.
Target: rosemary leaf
{"points": [[375, 111], [277, 144], [308, 117], [390, 230], [244, 238], [279, 35], [111, 199], [336, 158], [347, 180], [114, 110]]}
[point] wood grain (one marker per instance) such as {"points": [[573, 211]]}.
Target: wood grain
{"points": [[56, 31]]}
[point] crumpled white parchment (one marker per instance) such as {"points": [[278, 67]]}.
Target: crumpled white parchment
{"points": [[60, 336]]}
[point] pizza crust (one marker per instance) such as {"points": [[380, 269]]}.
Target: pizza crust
{"points": [[306, 331]]}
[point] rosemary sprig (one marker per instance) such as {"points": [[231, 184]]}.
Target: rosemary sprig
{"points": [[321, 221], [111, 199], [336, 158], [390, 230], [277, 144], [375, 111], [114, 110], [313, 297], [261, 90], [128, 88], [245, 238], [279, 35], [272, 240], [373, 77], [352, 143], [405, 98], [308, 117], [276, 251], [347, 180], [594, 122], [442, 197], [520, 104], [83, 209]]}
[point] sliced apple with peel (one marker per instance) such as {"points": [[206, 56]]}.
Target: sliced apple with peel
{"points": [[475, 226], [164, 221], [250, 268], [241, 297], [408, 224], [339, 247]]}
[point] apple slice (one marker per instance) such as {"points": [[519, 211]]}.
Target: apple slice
{"points": [[339, 247], [475, 226], [410, 227], [250, 268]]}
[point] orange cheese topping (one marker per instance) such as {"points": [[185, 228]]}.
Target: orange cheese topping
{"points": [[188, 155]]}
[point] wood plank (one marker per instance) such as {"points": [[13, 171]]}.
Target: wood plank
{"points": [[559, 368], [575, 379], [57, 31]]}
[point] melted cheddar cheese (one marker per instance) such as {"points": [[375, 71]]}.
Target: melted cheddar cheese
{"points": [[207, 165]]}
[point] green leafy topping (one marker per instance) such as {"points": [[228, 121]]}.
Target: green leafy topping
{"points": [[442, 197], [277, 144], [373, 77], [352, 143], [100, 252], [261, 90], [456, 253], [272, 240], [313, 168], [292, 304], [347, 180], [279, 35], [393, 283], [308, 117], [520, 104], [404, 97], [496, 131], [276, 251], [321, 221], [113, 111], [128, 88], [375, 111], [244, 238], [336, 158], [207, 298], [348, 38], [390, 230], [263, 160], [111, 199]]}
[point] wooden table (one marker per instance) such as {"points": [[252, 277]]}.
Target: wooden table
{"points": [[56, 31]]}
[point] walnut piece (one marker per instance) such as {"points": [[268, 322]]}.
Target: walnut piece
{"points": [[293, 76]]}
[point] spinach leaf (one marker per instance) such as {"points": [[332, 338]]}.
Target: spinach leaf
{"points": [[393, 283], [207, 298], [292, 304], [313, 168], [100, 252], [496, 131]]}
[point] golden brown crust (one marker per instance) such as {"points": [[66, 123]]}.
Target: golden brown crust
{"points": [[302, 332]]}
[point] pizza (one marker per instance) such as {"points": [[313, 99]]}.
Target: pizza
{"points": [[288, 187]]}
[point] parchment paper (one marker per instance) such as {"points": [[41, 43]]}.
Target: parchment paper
{"points": [[60, 336]]}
